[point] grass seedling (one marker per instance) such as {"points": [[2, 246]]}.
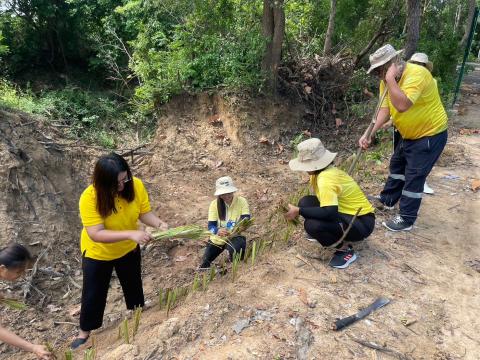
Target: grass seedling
{"points": [[213, 273], [125, 332], [68, 355], [90, 354], [13, 304], [51, 349], [174, 297], [169, 300], [137, 314], [205, 282], [254, 252], [161, 299], [236, 260], [195, 283]]}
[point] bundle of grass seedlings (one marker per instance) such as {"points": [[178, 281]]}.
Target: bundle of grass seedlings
{"points": [[182, 232], [195, 232], [241, 226]]}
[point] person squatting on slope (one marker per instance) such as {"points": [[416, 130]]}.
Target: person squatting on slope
{"points": [[110, 239], [337, 198], [224, 212], [414, 104], [14, 260]]}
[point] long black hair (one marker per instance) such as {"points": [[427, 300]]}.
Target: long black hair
{"points": [[15, 256], [105, 182], [221, 209]]}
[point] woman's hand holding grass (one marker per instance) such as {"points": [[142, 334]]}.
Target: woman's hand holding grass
{"points": [[292, 213]]}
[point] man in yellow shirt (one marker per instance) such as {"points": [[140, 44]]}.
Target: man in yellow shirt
{"points": [[414, 104]]}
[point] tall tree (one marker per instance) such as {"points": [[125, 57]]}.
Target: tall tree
{"points": [[468, 23], [327, 47], [273, 29], [414, 11]]}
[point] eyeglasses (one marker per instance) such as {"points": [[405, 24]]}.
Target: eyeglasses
{"points": [[124, 181]]}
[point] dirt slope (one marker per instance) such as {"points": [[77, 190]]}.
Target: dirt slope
{"points": [[286, 305]]}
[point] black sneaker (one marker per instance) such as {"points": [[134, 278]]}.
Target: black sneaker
{"points": [[343, 258], [397, 224], [378, 204]]}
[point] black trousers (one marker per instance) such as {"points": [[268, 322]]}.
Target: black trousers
{"points": [[411, 162], [236, 245], [96, 281], [328, 233]]}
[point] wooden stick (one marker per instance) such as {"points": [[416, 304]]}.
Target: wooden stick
{"points": [[369, 131], [29, 280], [300, 257], [345, 233], [372, 345]]}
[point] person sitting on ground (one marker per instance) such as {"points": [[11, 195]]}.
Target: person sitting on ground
{"points": [[336, 201], [414, 104], [110, 239], [14, 260], [224, 212]]}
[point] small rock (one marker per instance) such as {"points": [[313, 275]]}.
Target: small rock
{"points": [[240, 325], [168, 328]]}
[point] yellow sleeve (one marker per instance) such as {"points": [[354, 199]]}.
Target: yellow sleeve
{"points": [[415, 82], [88, 208], [142, 194], [212, 211], [245, 209], [328, 193], [385, 100]]}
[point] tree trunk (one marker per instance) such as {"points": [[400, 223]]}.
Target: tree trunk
{"points": [[327, 47], [414, 11], [273, 29], [468, 24]]}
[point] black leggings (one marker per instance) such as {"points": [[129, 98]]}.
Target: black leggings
{"points": [[328, 232], [236, 244], [96, 281]]}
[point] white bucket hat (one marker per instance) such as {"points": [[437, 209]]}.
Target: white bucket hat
{"points": [[382, 56], [312, 156], [422, 58], [224, 185]]}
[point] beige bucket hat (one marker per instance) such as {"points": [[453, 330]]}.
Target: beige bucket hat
{"points": [[422, 58], [382, 56], [312, 156], [224, 185]]}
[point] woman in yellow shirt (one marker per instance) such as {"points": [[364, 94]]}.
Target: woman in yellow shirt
{"points": [[14, 260], [224, 212], [337, 199], [110, 239]]}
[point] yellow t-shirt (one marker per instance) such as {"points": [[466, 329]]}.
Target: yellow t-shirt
{"points": [[427, 116], [124, 219], [233, 213], [335, 187]]}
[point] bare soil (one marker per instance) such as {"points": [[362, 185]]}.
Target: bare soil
{"points": [[286, 305]]}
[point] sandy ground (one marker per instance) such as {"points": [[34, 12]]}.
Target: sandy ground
{"points": [[280, 307]]}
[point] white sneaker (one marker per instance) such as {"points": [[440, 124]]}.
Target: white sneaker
{"points": [[427, 189]]}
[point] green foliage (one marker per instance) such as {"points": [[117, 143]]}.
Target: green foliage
{"points": [[216, 43]]}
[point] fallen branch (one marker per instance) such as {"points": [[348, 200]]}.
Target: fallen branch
{"points": [[345, 233], [300, 257], [384, 349], [29, 279]]}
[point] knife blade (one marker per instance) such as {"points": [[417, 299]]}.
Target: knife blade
{"points": [[377, 304]]}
